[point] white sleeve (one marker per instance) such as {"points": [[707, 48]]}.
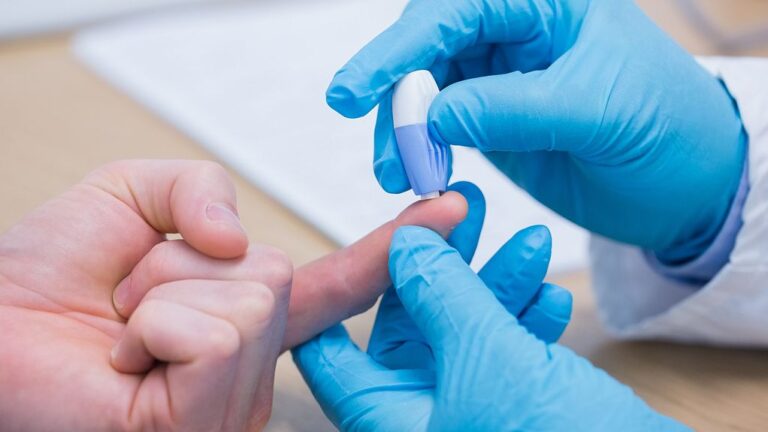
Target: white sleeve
{"points": [[636, 301]]}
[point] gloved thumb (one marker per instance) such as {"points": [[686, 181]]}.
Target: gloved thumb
{"points": [[512, 112]]}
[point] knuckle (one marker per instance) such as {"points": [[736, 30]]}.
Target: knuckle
{"points": [[275, 263], [108, 169], [256, 304], [108, 177], [210, 169]]}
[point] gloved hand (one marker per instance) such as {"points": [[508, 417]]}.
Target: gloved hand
{"points": [[585, 104], [448, 353]]}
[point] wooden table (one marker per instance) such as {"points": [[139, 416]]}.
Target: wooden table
{"points": [[58, 121]]}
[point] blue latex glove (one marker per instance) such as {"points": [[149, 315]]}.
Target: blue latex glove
{"points": [[585, 104], [515, 274], [479, 368]]}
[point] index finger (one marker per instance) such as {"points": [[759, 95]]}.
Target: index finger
{"points": [[430, 31], [348, 281], [395, 341]]}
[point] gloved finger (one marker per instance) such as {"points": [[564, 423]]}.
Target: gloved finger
{"points": [[431, 31], [465, 237], [395, 340], [175, 260], [515, 273], [194, 198], [387, 164], [549, 313], [220, 340], [517, 112], [344, 380], [350, 280], [445, 298]]}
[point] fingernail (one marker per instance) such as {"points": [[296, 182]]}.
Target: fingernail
{"points": [[114, 351], [221, 212], [119, 296]]}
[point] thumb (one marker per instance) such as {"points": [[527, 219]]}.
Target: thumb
{"points": [[193, 198], [511, 112], [96, 232]]}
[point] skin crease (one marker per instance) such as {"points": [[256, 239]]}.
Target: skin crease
{"points": [[213, 308]]}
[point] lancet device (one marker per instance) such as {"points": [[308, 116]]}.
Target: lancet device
{"points": [[425, 160]]}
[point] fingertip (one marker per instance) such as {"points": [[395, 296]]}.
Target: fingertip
{"points": [[118, 362], [121, 297], [226, 236], [471, 193], [515, 273], [549, 314], [218, 241], [223, 213], [453, 207], [440, 214], [528, 251], [557, 301], [391, 176], [466, 235], [343, 99], [537, 237], [129, 356], [203, 207], [216, 232]]}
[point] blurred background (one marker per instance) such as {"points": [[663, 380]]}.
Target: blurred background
{"points": [[84, 82], [704, 26]]}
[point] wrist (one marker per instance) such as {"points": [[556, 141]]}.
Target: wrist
{"points": [[699, 260], [603, 403], [717, 176]]}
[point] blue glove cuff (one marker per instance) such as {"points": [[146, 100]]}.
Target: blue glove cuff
{"points": [[702, 269]]}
